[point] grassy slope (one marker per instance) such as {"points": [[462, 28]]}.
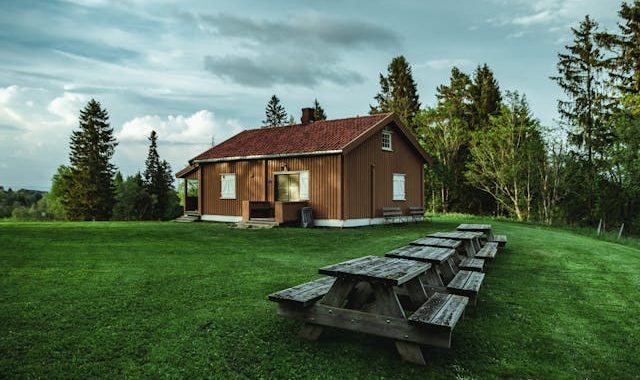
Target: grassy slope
{"points": [[188, 300]]}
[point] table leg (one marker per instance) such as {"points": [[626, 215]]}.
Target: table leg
{"points": [[431, 279], [448, 271], [476, 243], [387, 303], [469, 247], [336, 296], [416, 292]]}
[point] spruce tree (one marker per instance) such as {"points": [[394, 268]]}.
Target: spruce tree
{"points": [[581, 78], [485, 97], [91, 193], [318, 111], [157, 179], [275, 113], [398, 92], [624, 66]]}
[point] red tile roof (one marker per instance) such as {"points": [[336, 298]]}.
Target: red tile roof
{"points": [[319, 136]]}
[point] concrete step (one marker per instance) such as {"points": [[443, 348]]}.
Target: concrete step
{"points": [[187, 219]]}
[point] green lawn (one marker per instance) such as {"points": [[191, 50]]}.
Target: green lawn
{"points": [[172, 300]]}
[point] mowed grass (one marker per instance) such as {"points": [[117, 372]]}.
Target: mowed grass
{"points": [[169, 300]]}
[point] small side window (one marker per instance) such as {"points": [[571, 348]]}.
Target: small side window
{"points": [[386, 140], [227, 186]]}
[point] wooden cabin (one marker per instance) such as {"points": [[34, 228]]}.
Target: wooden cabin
{"points": [[349, 171]]}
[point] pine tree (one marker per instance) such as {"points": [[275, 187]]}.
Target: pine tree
{"points": [[485, 97], [318, 112], [157, 179], [624, 66], [275, 113], [398, 92], [581, 77], [91, 193]]}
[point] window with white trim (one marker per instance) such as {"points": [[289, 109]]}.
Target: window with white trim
{"points": [[227, 186], [292, 186], [386, 140], [398, 187]]}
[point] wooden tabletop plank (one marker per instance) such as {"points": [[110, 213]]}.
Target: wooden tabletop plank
{"points": [[473, 227], [437, 242], [456, 235], [433, 255], [373, 268]]}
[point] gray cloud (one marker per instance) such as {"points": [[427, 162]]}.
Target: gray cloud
{"points": [[305, 27], [267, 70], [9, 128], [304, 49]]}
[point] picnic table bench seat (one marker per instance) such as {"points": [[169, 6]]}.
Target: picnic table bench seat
{"points": [[466, 283], [472, 264], [441, 312], [488, 252], [500, 239], [304, 294]]}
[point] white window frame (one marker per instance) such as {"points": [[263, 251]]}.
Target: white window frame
{"points": [[387, 134], [222, 179], [396, 196], [301, 174]]}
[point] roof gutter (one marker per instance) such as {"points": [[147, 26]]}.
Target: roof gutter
{"points": [[268, 156]]}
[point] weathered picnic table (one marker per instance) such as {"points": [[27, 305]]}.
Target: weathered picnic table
{"points": [[462, 282], [466, 263], [362, 295], [470, 240], [487, 230]]}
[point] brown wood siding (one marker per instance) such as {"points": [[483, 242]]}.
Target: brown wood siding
{"points": [[361, 179], [324, 184]]}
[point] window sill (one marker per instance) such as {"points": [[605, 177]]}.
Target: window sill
{"points": [[387, 149], [223, 198]]}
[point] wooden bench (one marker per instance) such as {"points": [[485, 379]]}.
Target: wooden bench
{"points": [[441, 312], [391, 213], [304, 294], [416, 213], [488, 252], [500, 239], [466, 283], [472, 264]]}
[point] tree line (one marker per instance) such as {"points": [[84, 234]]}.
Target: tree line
{"points": [[91, 188], [492, 156]]}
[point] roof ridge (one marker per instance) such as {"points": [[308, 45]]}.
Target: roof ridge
{"points": [[316, 121]]}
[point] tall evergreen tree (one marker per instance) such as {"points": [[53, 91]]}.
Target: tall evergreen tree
{"points": [[581, 78], [485, 97], [275, 113], [318, 111], [624, 66], [91, 193], [158, 179], [398, 92]]}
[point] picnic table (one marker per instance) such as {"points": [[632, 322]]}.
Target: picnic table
{"points": [[463, 282], [486, 230], [363, 295], [441, 260], [470, 240]]}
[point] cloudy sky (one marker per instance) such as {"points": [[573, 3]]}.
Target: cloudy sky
{"points": [[197, 70]]}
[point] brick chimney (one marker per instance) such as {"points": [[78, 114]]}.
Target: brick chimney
{"points": [[308, 115]]}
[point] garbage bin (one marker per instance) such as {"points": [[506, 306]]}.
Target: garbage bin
{"points": [[306, 217]]}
